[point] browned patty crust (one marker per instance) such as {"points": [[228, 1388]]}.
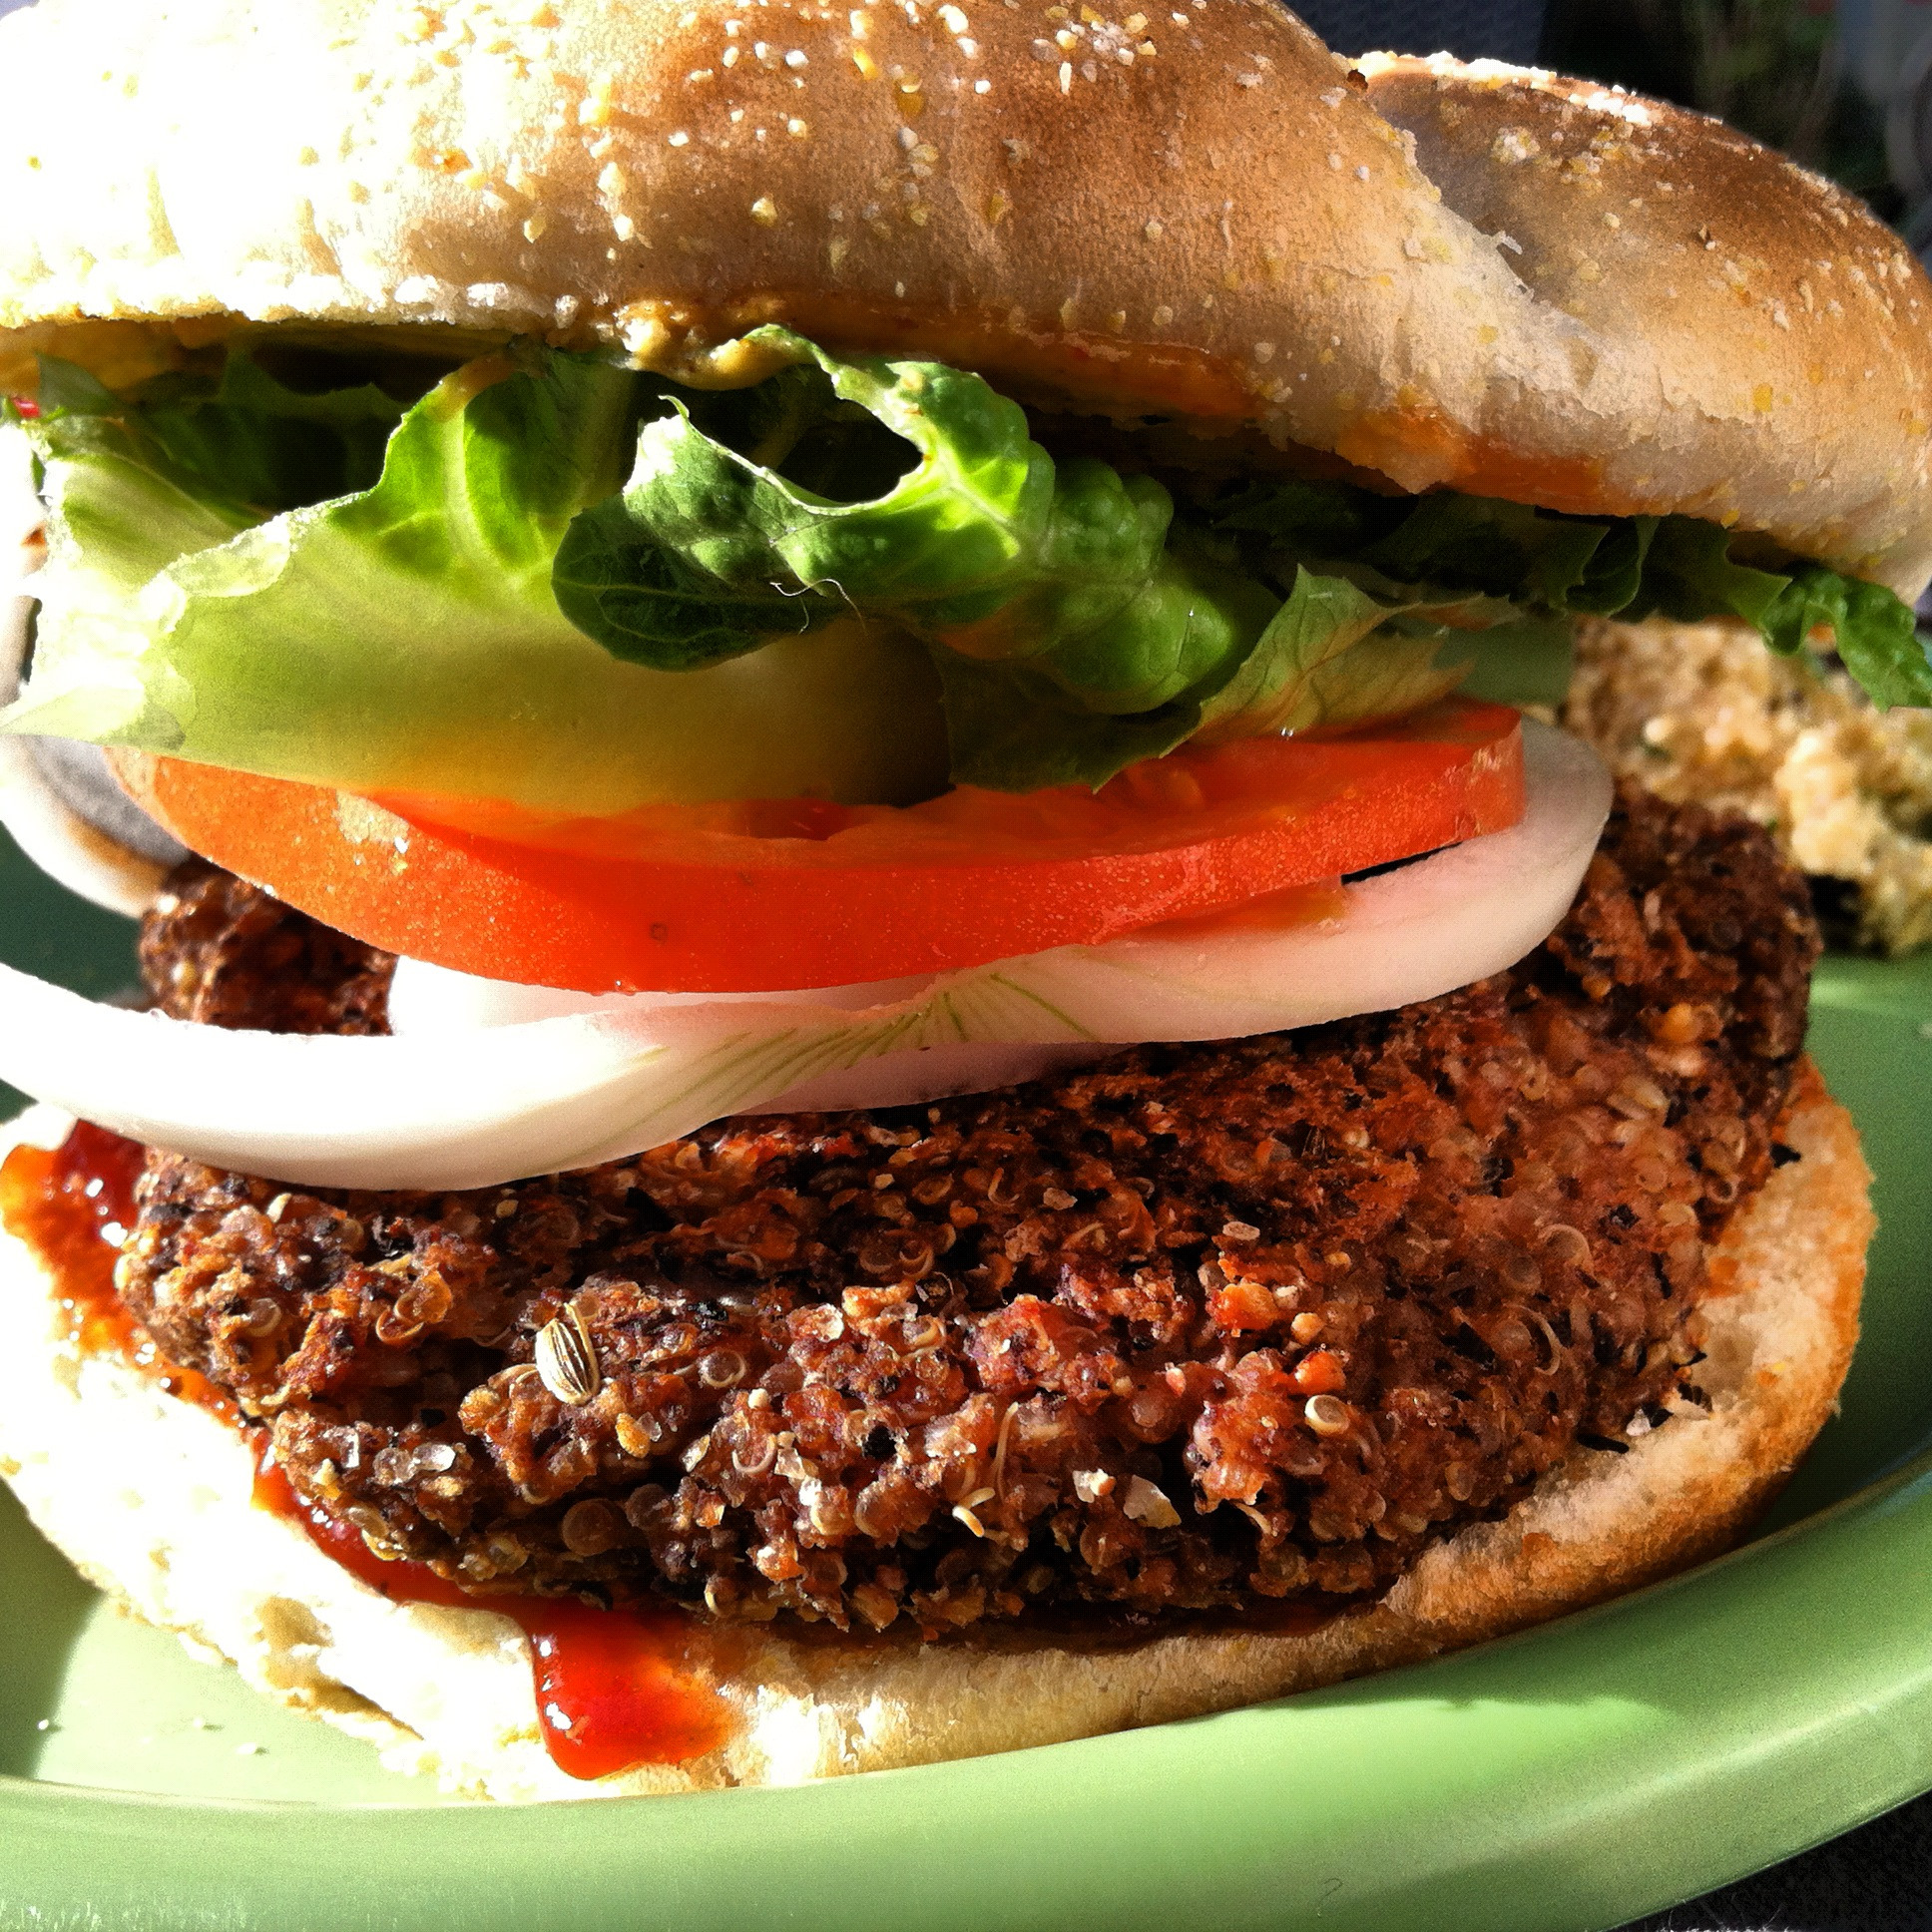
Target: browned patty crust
{"points": [[226, 954], [1204, 1327]]}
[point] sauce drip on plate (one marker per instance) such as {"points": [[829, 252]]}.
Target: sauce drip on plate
{"points": [[613, 1688]]}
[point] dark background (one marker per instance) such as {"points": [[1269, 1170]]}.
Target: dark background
{"points": [[1828, 84]]}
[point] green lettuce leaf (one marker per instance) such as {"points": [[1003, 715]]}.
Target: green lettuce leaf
{"points": [[257, 442], [1051, 595], [406, 638], [1526, 662], [1874, 635], [760, 536], [1306, 517], [1687, 574], [1332, 654], [1690, 574], [558, 582], [701, 523], [1326, 659], [1505, 549], [1551, 565], [119, 511], [980, 544], [1012, 729]]}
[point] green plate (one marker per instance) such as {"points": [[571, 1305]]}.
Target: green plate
{"points": [[1572, 1778]]}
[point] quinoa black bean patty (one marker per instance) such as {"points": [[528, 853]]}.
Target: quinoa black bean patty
{"points": [[1200, 1328]]}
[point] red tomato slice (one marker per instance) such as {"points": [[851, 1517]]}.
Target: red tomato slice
{"points": [[769, 897]]}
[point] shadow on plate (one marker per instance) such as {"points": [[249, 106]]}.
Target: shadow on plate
{"points": [[47, 1607], [47, 930], [1868, 1020]]}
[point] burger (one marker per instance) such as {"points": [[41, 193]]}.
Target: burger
{"points": [[873, 1041]]}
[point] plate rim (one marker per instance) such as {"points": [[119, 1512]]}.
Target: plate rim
{"points": [[1310, 1826]]}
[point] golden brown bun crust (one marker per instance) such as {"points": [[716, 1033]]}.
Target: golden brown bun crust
{"points": [[1179, 211], [450, 1691], [1759, 288]]}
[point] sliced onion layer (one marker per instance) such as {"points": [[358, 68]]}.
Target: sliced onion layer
{"points": [[483, 1084], [61, 841], [64, 843]]}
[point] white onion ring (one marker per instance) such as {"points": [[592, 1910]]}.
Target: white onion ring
{"points": [[62, 844], [59, 841], [474, 1105]]}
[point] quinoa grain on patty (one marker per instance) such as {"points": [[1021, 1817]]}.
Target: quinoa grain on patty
{"points": [[1200, 1328]]}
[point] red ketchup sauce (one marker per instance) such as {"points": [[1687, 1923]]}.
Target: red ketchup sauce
{"points": [[613, 1689]]}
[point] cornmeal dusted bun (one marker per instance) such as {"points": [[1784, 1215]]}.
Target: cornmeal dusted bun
{"points": [[151, 1498], [1193, 211]]}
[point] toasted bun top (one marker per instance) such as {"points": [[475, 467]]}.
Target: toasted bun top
{"points": [[1192, 210]]}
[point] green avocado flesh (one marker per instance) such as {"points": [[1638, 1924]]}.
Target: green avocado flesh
{"points": [[554, 581]]}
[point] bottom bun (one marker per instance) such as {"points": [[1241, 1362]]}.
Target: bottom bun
{"points": [[151, 1498]]}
